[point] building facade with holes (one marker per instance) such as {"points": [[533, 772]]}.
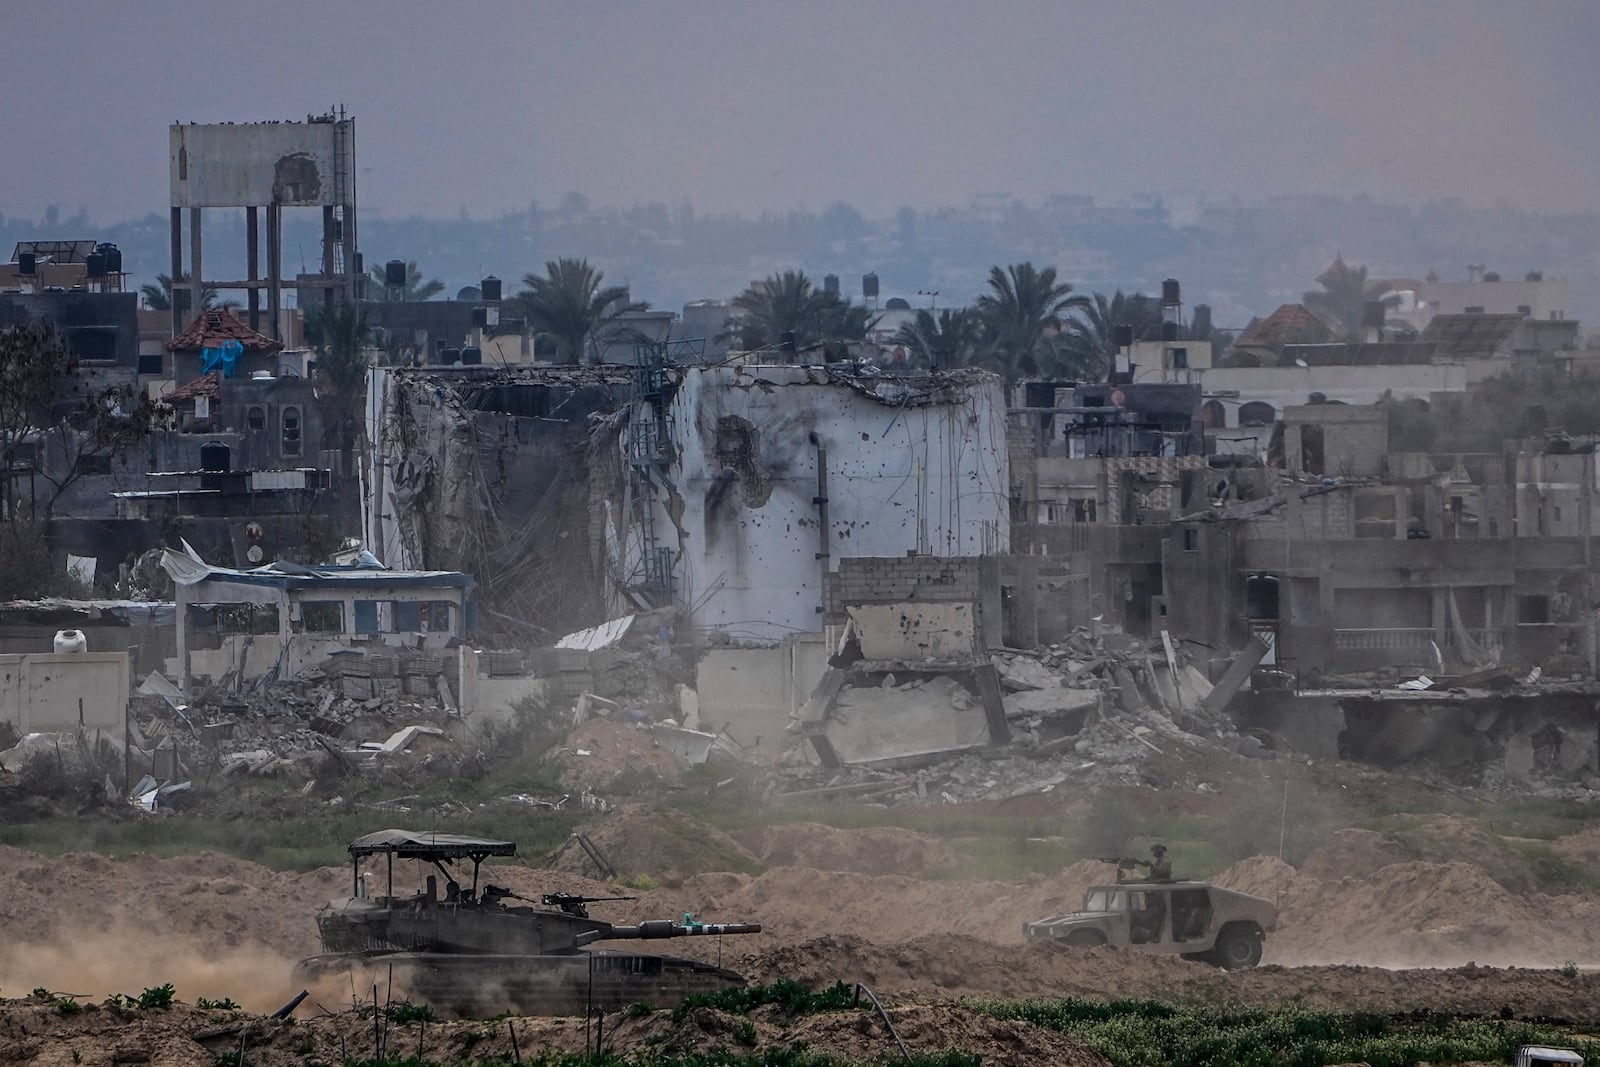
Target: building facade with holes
{"points": [[752, 482]]}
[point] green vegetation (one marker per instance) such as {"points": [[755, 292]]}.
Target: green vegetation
{"points": [[1148, 1033], [793, 1056], [68, 1006], [1551, 873], [207, 1004], [403, 1011], [642, 882], [156, 997], [790, 996]]}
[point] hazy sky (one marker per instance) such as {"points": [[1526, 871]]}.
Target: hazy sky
{"points": [[752, 105]]}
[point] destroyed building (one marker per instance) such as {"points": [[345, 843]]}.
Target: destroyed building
{"points": [[492, 471], [585, 492], [753, 481], [287, 619]]}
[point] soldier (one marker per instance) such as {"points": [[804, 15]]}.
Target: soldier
{"points": [[1160, 868]]}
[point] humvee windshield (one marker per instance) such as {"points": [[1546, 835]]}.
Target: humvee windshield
{"points": [[1106, 900]]}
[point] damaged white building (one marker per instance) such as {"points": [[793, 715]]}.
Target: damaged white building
{"points": [[746, 484]]}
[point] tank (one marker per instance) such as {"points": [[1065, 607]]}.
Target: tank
{"points": [[479, 949]]}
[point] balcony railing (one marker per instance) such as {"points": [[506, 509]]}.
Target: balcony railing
{"points": [[1409, 639]]}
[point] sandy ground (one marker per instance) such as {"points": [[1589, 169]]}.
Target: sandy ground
{"points": [[1366, 921], [220, 926]]}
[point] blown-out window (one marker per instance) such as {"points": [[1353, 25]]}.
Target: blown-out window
{"points": [[290, 420]]}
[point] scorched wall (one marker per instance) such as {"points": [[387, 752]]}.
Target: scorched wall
{"points": [[913, 465]]}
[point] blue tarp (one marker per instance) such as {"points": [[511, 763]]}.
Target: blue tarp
{"points": [[226, 355]]}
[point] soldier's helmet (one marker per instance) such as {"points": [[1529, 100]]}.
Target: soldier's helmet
{"points": [[1158, 849]]}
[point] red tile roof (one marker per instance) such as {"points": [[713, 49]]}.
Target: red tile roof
{"points": [[208, 384], [215, 325], [1290, 324]]}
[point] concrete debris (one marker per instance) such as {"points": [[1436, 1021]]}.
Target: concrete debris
{"points": [[401, 739], [692, 746], [1049, 702], [1019, 673], [1093, 709], [15, 758]]}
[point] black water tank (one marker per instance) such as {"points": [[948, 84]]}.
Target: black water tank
{"points": [[26, 264], [869, 286], [480, 318], [471, 356], [449, 356], [1169, 292], [1200, 325], [1169, 331], [394, 273], [786, 345], [113, 256], [96, 262], [491, 289], [1372, 315], [1122, 334], [830, 284]]}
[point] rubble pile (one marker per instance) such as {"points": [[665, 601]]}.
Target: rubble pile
{"points": [[355, 709], [1092, 709]]}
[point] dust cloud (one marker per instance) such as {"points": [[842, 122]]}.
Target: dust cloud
{"points": [[96, 962]]}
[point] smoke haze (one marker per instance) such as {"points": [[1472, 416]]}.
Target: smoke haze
{"points": [[482, 108]]}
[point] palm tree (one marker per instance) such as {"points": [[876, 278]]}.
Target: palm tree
{"points": [[1345, 292], [779, 304], [1021, 313], [159, 296], [941, 340], [1089, 343], [341, 336], [788, 303], [414, 289], [570, 308], [834, 319]]}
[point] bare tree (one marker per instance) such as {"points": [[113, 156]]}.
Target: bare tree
{"points": [[54, 424]]}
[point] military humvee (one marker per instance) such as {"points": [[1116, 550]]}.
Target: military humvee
{"points": [[1195, 920]]}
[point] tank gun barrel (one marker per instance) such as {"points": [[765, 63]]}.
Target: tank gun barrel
{"points": [[659, 928]]}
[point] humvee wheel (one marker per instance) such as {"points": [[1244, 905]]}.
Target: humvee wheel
{"points": [[1086, 938], [1238, 946]]}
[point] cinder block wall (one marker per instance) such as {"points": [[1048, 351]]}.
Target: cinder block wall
{"points": [[891, 579]]}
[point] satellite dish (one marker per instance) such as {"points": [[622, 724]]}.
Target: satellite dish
{"points": [[1300, 362]]}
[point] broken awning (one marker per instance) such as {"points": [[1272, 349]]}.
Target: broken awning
{"points": [[428, 844], [187, 569], [597, 637]]}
